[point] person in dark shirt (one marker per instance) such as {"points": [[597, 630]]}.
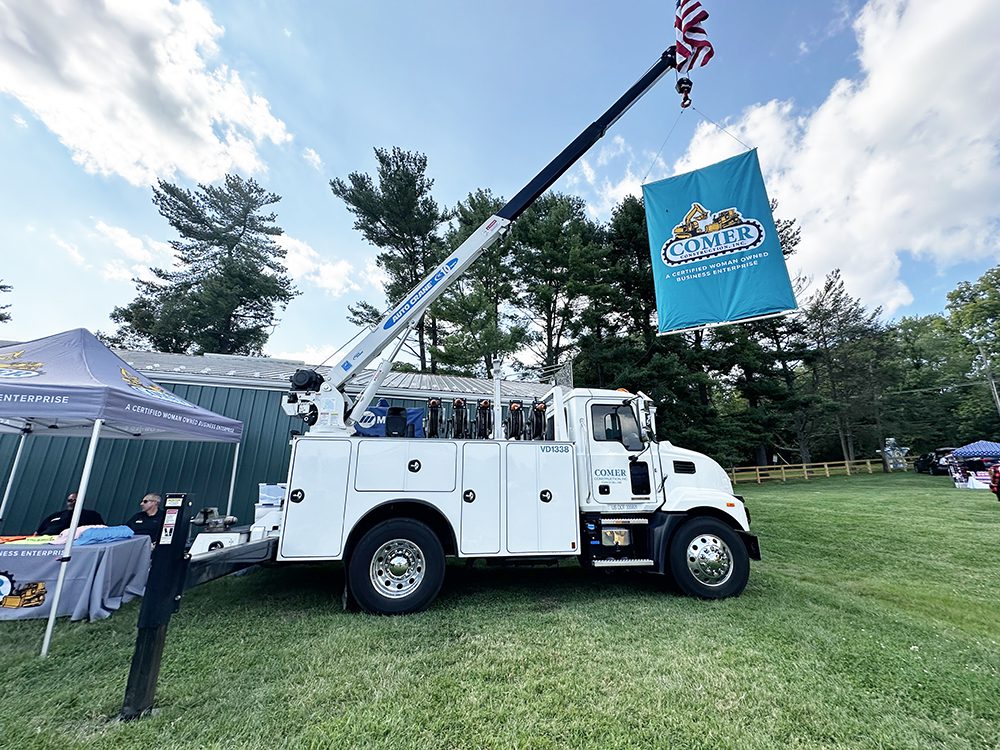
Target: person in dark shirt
{"points": [[58, 522], [149, 520]]}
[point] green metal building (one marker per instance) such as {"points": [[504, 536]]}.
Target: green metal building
{"points": [[246, 388]]}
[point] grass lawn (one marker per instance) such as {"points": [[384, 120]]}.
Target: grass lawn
{"points": [[872, 622]]}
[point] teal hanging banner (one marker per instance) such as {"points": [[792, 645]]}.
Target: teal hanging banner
{"points": [[715, 250]]}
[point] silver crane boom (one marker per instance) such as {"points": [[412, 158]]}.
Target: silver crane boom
{"points": [[321, 403]]}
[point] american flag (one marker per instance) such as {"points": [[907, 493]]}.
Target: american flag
{"points": [[693, 47]]}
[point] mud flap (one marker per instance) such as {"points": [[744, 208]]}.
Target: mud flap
{"points": [[751, 543]]}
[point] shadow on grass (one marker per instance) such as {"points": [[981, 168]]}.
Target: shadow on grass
{"points": [[302, 588]]}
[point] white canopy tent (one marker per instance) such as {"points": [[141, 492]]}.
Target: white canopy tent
{"points": [[71, 385]]}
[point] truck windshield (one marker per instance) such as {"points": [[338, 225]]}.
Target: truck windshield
{"points": [[616, 423]]}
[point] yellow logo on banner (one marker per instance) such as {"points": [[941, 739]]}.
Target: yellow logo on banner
{"points": [[13, 596], [702, 236], [11, 366], [135, 383]]}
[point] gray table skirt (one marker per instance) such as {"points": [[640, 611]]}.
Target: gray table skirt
{"points": [[99, 579]]}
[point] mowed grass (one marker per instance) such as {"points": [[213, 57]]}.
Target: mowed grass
{"points": [[872, 622]]}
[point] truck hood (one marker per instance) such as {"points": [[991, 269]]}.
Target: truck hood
{"points": [[708, 474]]}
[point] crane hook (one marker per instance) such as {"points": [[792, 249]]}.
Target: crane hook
{"points": [[684, 87]]}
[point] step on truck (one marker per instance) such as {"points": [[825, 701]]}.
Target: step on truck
{"points": [[578, 474]]}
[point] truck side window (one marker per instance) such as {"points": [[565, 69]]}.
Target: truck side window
{"points": [[615, 424]]}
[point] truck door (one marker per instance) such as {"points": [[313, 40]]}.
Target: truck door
{"points": [[542, 511], [313, 521], [480, 498], [614, 436]]}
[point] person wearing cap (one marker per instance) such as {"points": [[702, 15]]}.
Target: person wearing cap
{"points": [[59, 521], [149, 519]]}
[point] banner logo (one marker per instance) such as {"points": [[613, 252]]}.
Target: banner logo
{"points": [[702, 236], [155, 391], [13, 596], [11, 366]]}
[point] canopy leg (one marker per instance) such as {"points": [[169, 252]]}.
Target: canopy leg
{"points": [[81, 498], [13, 472], [232, 481]]}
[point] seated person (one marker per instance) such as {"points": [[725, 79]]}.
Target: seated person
{"points": [[149, 520], [58, 522]]}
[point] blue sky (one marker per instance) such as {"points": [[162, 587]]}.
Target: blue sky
{"points": [[885, 150]]}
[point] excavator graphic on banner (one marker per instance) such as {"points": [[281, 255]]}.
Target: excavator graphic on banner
{"points": [[14, 596], [692, 224]]}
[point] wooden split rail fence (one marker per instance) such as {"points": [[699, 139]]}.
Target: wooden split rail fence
{"points": [[784, 472]]}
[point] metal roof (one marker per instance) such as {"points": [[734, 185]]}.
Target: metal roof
{"points": [[264, 372], [235, 370]]}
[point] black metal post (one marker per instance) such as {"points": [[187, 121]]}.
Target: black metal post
{"points": [[162, 598]]}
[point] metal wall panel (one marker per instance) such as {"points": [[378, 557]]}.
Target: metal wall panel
{"points": [[124, 470]]}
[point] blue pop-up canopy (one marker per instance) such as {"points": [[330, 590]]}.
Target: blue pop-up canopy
{"points": [[72, 385], [979, 449]]}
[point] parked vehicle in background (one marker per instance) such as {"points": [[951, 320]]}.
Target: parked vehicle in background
{"points": [[934, 462]]}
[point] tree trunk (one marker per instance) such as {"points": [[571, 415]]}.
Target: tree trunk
{"points": [[434, 343], [804, 453], [760, 455], [842, 434], [421, 345]]}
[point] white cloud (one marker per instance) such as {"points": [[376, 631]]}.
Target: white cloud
{"points": [[305, 264], [133, 247], [70, 249], [374, 276], [116, 270], [903, 159], [139, 254], [19, 121], [129, 89], [611, 149], [335, 278], [313, 159], [607, 192], [287, 33]]}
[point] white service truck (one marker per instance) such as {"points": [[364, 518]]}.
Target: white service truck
{"points": [[583, 476]]}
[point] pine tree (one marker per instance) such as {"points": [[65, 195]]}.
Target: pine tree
{"points": [[551, 240], [399, 216], [4, 315], [477, 309], [229, 283]]}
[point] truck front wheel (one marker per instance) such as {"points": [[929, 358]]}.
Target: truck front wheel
{"points": [[396, 568], [708, 559]]}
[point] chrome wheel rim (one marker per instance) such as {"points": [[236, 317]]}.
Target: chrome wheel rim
{"points": [[710, 560], [397, 568]]}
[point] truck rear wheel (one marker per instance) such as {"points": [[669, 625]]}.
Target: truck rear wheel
{"points": [[396, 568], [708, 560]]}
